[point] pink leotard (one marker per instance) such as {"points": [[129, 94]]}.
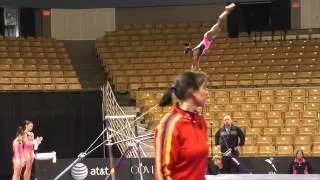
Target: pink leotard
{"points": [[206, 42], [28, 146], [17, 150], [17, 158]]}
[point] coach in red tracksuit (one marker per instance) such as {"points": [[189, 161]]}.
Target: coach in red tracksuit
{"points": [[181, 148]]}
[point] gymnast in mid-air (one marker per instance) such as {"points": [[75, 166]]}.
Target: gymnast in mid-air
{"points": [[208, 38]]}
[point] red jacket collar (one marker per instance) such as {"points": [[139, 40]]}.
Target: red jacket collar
{"points": [[186, 114]]}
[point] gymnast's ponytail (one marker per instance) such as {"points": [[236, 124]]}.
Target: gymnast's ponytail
{"points": [[166, 99], [187, 48]]}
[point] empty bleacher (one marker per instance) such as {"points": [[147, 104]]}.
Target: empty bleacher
{"points": [[276, 121], [150, 56], [35, 64], [279, 115]]}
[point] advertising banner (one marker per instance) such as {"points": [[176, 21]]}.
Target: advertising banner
{"points": [[99, 168], [94, 169]]}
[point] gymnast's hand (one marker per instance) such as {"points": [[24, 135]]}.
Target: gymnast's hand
{"points": [[39, 139], [30, 134]]}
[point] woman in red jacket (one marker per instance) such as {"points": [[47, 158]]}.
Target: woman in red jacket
{"points": [[181, 148]]}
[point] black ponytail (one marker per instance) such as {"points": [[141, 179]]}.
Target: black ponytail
{"points": [[187, 48], [166, 99], [183, 85]]}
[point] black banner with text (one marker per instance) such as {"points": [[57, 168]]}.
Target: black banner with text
{"points": [[94, 169], [99, 168]]}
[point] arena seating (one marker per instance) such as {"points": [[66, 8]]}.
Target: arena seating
{"points": [[35, 64], [277, 80], [276, 120], [150, 56]]}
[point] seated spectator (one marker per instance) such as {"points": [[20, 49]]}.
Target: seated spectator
{"points": [[215, 166], [300, 165]]}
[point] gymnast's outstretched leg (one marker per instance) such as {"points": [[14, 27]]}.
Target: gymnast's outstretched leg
{"points": [[208, 37]]}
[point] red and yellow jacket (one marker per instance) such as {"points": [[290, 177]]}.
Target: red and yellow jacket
{"points": [[181, 148]]}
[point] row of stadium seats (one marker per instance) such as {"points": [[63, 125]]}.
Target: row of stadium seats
{"points": [[39, 87], [247, 67], [36, 80], [24, 44], [151, 82], [213, 61], [202, 27], [309, 119], [278, 135], [37, 67], [35, 64], [263, 110], [34, 61], [246, 95], [34, 72], [269, 150], [282, 140], [108, 48], [232, 57], [185, 25], [277, 52], [33, 55], [26, 49]]}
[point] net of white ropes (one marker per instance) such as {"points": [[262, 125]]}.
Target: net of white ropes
{"points": [[122, 125]]}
